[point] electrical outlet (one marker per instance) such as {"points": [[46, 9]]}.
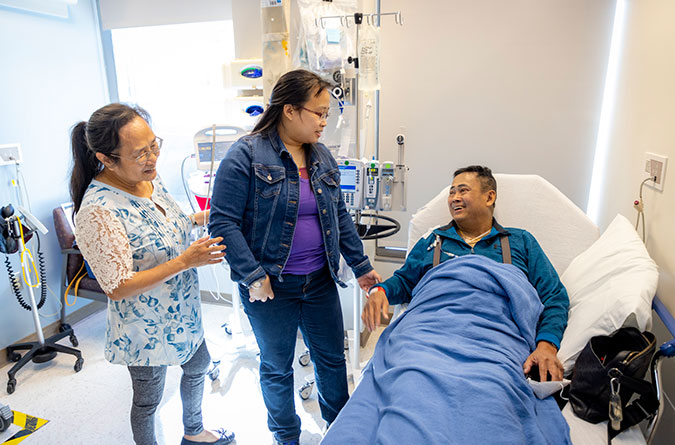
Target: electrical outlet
{"points": [[10, 153], [655, 166]]}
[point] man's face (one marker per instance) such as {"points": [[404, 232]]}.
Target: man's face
{"points": [[468, 202]]}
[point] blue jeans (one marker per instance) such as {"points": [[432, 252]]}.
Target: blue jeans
{"points": [[148, 385], [310, 302]]}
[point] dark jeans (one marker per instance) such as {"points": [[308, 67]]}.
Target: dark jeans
{"points": [[148, 385], [310, 302]]}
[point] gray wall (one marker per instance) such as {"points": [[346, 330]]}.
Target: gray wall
{"points": [[51, 77]]}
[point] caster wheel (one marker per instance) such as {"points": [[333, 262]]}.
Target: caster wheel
{"points": [[305, 391], [228, 329], [13, 356], [11, 386], [73, 340], [304, 358], [78, 364]]}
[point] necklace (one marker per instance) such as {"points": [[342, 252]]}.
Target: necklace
{"points": [[474, 239]]}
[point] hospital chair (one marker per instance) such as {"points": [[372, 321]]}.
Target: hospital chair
{"points": [[563, 231], [71, 284]]}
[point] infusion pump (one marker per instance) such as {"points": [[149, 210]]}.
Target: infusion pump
{"points": [[372, 185], [213, 147]]}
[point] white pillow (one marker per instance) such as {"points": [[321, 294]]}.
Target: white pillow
{"points": [[610, 285]]}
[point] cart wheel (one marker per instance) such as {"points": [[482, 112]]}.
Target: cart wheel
{"points": [[304, 358], [78, 364], [11, 386], [73, 340], [13, 356], [305, 390]]}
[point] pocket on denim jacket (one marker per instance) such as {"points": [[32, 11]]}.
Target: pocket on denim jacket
{"points": [[269, 179], [332, 181]]}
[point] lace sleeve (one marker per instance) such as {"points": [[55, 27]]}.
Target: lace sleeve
{"points": [[104, 244]]}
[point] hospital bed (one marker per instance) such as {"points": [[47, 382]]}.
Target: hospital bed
{"points": [[572, 243]]}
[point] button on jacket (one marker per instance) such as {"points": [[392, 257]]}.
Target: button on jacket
{"points": [[255, 203]]}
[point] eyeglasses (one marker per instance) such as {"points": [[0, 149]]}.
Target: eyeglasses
{"points": [[322, 116], [142, 159]]}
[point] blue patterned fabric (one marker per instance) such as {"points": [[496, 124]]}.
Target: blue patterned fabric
{"points": [[162, 326]]}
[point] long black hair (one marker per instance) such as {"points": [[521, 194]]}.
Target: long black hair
{"points": [[293, 88], [100, 134]]}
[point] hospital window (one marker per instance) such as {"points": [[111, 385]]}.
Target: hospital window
{"points": [[175, 72]]}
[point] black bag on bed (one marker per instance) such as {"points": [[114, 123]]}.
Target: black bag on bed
{"points": [[607, 373]]}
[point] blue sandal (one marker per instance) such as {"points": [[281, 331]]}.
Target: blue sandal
{"points": [[225, 437]]}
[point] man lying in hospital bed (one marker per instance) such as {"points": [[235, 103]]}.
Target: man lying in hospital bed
{"points": [[450, 370], [473, 230]]}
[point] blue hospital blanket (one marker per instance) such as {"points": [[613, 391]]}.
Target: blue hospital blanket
{"points": [[450, 369]]}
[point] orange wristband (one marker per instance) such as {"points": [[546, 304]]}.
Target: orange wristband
{"points": [[376, 288]]}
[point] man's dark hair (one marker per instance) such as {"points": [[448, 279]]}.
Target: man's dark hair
{"points": [[484, 174]]}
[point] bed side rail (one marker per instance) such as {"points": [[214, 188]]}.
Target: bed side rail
{"points": [[665, 350]]}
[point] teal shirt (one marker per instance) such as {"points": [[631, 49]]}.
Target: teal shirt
{"points": [[526, 255]]}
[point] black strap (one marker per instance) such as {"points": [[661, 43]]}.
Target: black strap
{"points": [[437, 251], [503, 239]]}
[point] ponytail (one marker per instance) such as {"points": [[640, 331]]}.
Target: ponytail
{"points": [[85, 164], [99, 135]]}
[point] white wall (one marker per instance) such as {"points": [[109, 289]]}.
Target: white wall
{"points": [[129, 13], [51, 77], [515, 85], [643, 121]]}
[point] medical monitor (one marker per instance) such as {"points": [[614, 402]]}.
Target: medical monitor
{"points": [[206, 150]]}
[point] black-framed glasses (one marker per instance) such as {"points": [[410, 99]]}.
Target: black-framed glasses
{"points": [[142, 159], [322, 116]]}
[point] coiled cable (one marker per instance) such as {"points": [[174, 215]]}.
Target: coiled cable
{"points": [[15, 283], [42, 270]]}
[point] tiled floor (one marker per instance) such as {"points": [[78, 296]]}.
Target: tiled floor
{"points": [[92, 406]]}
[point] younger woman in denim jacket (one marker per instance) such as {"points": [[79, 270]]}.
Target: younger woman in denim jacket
{"points": [[278, 206]]}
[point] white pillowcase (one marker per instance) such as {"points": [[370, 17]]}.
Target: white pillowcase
{"points": [[610, 285]]}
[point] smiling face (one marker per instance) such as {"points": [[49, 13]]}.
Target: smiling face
{"points": [[136, 139], [305, 124], [470, 204]]}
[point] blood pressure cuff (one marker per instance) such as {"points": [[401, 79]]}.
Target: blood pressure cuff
{"points": [[9, 244]]}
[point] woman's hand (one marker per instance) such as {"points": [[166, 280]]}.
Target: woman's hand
{"points": [[203, 251], [200, 218], [368, 280], [262, 293]]}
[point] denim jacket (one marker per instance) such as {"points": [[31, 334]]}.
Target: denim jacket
{"points": [[255, 202]]}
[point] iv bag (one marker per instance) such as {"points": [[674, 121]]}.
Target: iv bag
{"points": [[369, 58]]}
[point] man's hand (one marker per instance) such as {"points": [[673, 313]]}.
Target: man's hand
{"points": [[368, 280], [376, 306], [545, 357]]}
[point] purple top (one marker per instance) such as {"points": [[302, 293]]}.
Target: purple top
{"points": [[307, 251]]}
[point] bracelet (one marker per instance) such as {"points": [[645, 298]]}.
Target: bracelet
{"points": [[373, 289]]}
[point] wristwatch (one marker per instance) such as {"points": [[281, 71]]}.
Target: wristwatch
{"points": [[257, 284]]}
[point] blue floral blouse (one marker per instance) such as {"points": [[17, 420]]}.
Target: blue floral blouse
{"points": [[120, 234]]}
